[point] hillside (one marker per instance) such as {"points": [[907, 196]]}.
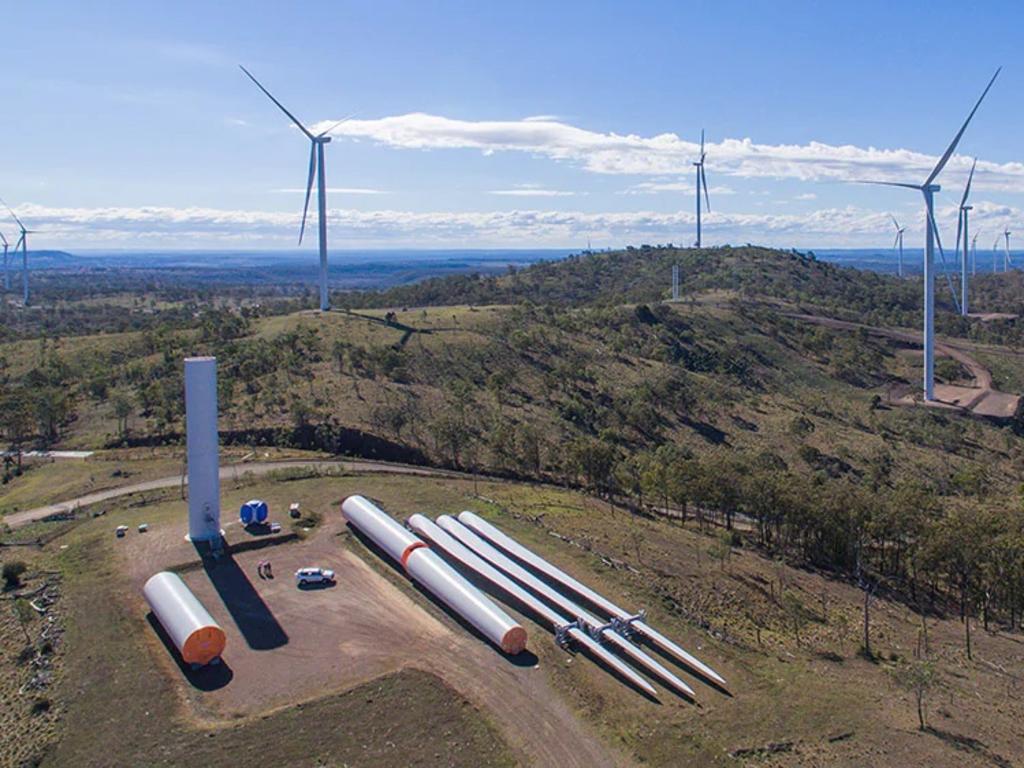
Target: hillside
{"points": [[725, 413]]}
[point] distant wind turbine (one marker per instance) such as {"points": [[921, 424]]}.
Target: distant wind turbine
{"points": [[316, 170], [1006, 256], [974, 254], [995, 254], [961, 228], [928, 190], [7, 273], [702, 182], [23, 242], [898, 243]]}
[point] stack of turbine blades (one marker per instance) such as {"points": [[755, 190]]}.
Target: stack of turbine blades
{"points": [[599, 629], [438, 538], [509, 545]]}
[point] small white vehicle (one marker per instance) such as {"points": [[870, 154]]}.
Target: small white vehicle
{"points": [[305, 576], [120, 531]]}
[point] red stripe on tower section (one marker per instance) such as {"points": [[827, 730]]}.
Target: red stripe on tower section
{"points": [[408, 551]]}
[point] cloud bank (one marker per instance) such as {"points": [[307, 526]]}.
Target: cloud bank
{"points": [[666, 154]]}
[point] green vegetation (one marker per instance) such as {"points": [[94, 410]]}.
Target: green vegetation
{"points": [[724, 413]]}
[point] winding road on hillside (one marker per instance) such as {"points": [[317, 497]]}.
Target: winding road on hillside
{"points": [[229, 472], [982, 399]]}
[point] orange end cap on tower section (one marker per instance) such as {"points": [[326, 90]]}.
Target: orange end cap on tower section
{"points": [[514, 641], [204, 645]]}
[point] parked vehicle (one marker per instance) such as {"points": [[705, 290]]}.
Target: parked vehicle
{"points": [[305, 576], [120, 531]]}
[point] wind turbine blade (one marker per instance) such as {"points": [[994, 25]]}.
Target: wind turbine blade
{"points": [[887, 183], [967, 189], [897, 240], [13, 214], [335, 125], [309, 188], [702, 144], [894, 222], [956, 139], [942, 257], [704, 182], [21, 239], [3, 239], [280, 106]]}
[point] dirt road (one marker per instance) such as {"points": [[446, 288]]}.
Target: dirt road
{"points": [[230, 472], [982, 399]]}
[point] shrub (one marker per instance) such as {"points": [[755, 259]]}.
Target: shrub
{"points": [[12, 572]]}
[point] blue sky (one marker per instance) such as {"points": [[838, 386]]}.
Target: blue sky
{"points": [[129, 124]]}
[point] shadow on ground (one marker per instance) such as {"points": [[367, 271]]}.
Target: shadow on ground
{"points": [[209, 678], [251, 615]]}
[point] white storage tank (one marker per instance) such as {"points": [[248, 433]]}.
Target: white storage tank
{"points": [[195, 634]]}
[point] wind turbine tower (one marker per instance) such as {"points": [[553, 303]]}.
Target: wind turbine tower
{"points": [[702, 182], [1006, 253], [316, 171], [928, 190], [23, 242], [898, 243], [995, 255], [7, 272], [961, 229]]}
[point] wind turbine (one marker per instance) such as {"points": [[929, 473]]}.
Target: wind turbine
{"points": [[995, 255], [974, 254], [1006, 253], [702, 181], [23, 242], [7, 274], [961, 228], [898, 243], [928, 190], [316, 170]]}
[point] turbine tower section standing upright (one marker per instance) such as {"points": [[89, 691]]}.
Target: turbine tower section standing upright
{"points": [[316, 171], [702, 184]]}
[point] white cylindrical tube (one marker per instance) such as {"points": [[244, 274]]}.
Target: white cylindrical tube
{"points": [[201, 439], [435, 575], [513, 547], [489, 552], [442, 540], [190, 626]]}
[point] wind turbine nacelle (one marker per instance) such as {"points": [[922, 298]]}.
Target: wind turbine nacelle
{"points": [[324, 139]]}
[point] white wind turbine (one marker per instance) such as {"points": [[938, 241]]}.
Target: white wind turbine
{"points": [[23, 242], [961, 228], [1006, 253], [898, 243], [7, 273], [702, 181], [928, 190], [995, 254], [316, 169]]}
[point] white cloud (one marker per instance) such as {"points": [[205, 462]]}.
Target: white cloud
{"points": [[527, 191], [657, 187], [340, 191], [666, 154], [196, 227]]}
